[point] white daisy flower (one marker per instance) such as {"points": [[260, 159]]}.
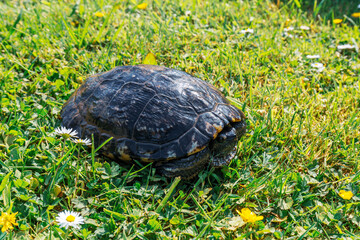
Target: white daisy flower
{"points": [[285, 34], [319, 67], [249, 30], [80, 141], [188, 13], [312, 56], [306, 28], [345, 46], [66, 132], [297, 53], [289, 29], [70, 219]]}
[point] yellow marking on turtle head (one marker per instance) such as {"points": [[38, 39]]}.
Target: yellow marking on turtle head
{"points": [[109, 155], [144, 159], [125, 157]]}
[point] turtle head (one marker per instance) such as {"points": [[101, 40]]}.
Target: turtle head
{"points": [[223, 147]]}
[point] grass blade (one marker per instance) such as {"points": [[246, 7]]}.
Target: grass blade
{"points": [[167, 196]]}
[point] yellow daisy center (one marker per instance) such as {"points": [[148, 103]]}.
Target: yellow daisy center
{"points": [[70, 218]]}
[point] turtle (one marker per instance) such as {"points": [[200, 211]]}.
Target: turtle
{"points": [[156, 114]]}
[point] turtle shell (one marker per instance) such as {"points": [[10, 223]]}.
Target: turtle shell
{"points": [[152, 113]]}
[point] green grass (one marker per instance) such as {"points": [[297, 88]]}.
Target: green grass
{"points": [[301, 148]]}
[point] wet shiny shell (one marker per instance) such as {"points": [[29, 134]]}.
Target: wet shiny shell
{"points": [[153, 113]]}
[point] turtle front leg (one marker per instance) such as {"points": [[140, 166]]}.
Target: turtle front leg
{"points": [[187, 167]]}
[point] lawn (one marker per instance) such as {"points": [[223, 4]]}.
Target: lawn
{"points": [[291, 66]]}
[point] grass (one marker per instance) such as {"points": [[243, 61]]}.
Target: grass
{"points": [[301, 148]]}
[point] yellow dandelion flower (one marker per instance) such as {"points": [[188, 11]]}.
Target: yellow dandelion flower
{"points": [[287, 22], [7, 221], [150, 59], [248, 216], [142, 6], [99, 14], [347, 195], [337, 21], [357, 14], [74, 23]]}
